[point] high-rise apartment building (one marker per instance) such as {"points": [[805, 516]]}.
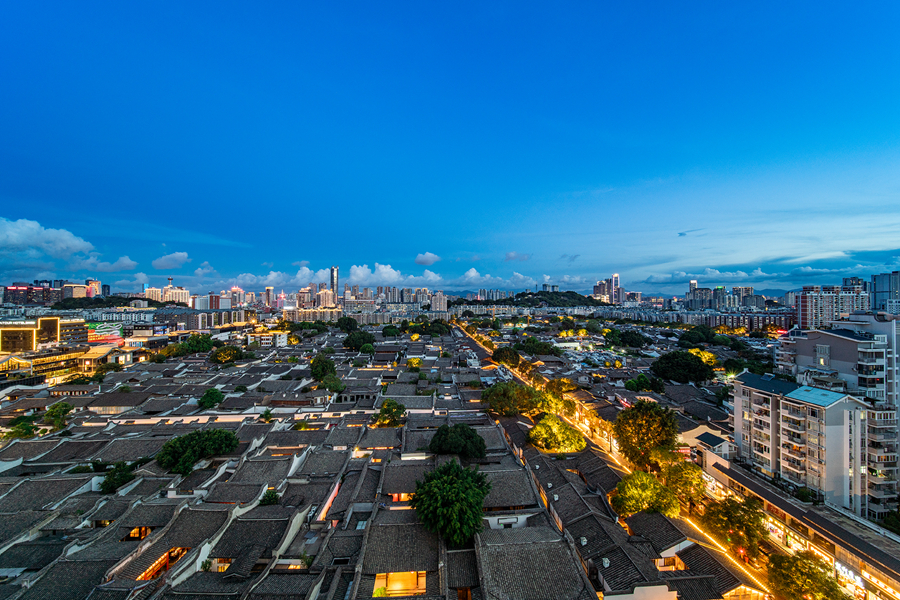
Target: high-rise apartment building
{"points": [[439, 302], [884, 288], [819, 304], [857, 355], [741, 292], [839, 447], [334, 279], [152, 293]]}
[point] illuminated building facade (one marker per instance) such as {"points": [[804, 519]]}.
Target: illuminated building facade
{"points": [[23, 294], [333, 278], [29, 335]]}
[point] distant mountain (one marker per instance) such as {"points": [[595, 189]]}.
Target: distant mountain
{"points": [[533, 299]]}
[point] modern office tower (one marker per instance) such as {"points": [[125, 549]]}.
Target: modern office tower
{"points": [[94, 287], [74, 290], [741, 292], [841, 448], [104, 289], [269, 298], [817, 305], [692, 285], [884, 288], [334, 279]]}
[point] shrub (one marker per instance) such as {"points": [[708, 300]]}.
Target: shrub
{"points": [[181, 453]]}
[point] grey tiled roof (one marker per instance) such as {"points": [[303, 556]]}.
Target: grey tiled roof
{"points": [[73, 451], [343, 436], [462, 569], [40, 493], [130, 449], [622, 573], [15, 524], [33, 555], [284, 586], [509, 568], [698, 559], [400, 477], [398, 548], [26, 449], [271, 471], [248, 532], [235, 493], [381, 437], [509, 488], [657, 529], [324, 462], [68, 580]]}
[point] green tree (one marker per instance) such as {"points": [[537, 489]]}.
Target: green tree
{"points": [[459, 439], [210, 398], [120, 474], [321, 367], [367, 349], [225, 355], [642, 383], [181, 453], [467, 314], [552, 434], [450, 502], [390, 414], [733, 366], [804, 575], [642, 428], [271, 497], [21, 430], [267, 415], [347, 324], [240, 388], [558, 387], [509, 398], [685, 479], [633, 339], [358, 339], [507, 356], [390, 331], [740, 524], [641, 491], [56, 415], [682, 367], [333, 384]]}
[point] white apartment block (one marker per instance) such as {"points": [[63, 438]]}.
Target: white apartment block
{"points": [[819, 304], [839, 447], [857, 354]]}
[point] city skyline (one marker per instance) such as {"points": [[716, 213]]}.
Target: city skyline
{"points": [[666, 145]]}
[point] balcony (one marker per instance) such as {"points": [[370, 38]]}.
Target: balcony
{"points": [[794, 466], [793, 426], [788, 476], [792, 412], [882, 492], [882, 451], [881, 423], [883, 464], [879, 436], [791, 451], [796, 441]]}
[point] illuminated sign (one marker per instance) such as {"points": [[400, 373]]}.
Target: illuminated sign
{"points": [[105, 332]]}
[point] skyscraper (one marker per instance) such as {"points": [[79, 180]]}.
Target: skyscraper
{"points": [[334, 280], [270, 296]]}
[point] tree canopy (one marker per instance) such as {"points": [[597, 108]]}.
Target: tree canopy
{"points": [[390, 414], [56, 415], [390, 331], [804, 575], [509, 398], [641, 491], [333, 384], [642, 428], [740, 524], [347, 324], [367, 349], [181, 453], [450, 502], [685, 479], [459, 439], [210, 398], [552, 434], [642, 383], [532, 346], [682, 367], [507, 356], [321, 367], [358, 339]]}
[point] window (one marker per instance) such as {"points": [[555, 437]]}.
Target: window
{"points": [[410, 583], [361, 525], [222, 564], [138, 533], [341, 561]]}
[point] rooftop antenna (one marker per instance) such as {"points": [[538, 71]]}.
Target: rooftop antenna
{"points": [[170, 282]]}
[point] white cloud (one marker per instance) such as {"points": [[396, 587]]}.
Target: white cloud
{"points": [[132, 284], [301, 263], [23, 235], [427, 259], [171, 261], [389, 276], [204, 269], [516, 256], [93, 263]]}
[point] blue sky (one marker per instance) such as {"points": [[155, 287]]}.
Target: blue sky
{"points": [[455, 146]]}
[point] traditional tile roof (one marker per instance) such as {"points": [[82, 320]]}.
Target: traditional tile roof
{"points": [[70, 451], [270, 471], [343, 436], [400, 477], [234, 493], [130, 449], [34, 555], [285, 586], [509, 488], [657, 529], [242, 533], [27, 449], [462, 569], [698, 559], [400, 548], [41, 493], [622, 574], [324, 462], [508, 558], [68, 580]]}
